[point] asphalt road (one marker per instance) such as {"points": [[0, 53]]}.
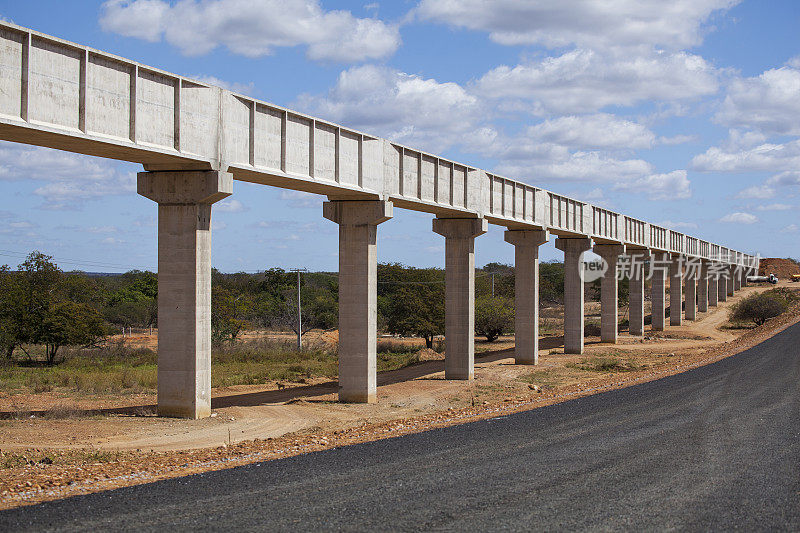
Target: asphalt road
{"points": [[714, 448]]}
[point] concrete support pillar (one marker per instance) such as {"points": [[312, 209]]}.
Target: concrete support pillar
{"points": [[573, 291], [690, 280], [736, 276], [702, 288], [609, 299], [358, 297], [459, 312], [658, 298], [722, 285], [676, 291], [526, 293], [713, 286], [731, 279], [743, 273], [636, 296], [184, 285]]}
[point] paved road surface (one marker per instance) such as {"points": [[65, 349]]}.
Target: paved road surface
{"points": [[714, 448]]}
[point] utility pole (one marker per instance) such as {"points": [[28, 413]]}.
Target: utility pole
{"points": [[299, 315]]}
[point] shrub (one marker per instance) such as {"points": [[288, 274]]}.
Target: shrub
{"points": [[493, 316], [759, 308]]}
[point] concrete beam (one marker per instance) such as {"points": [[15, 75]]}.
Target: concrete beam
{"points": [[184, 286], [658, 284], [573, 291], [459, 234], [609, 296], [358, 297], [636, 295], [526, 293]]}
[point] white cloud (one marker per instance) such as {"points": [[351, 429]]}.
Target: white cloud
{"points": [[739, 218], [670, 186], [791, 228], [760, 192], [302, 200], [767, 157], [600, 130], [403, 107], [677, 23], [769, 103], [69, 179], [252, 28], [774, 207], [585, 81], [241, 88], [677, 225], [677, 139], [231, 205]]}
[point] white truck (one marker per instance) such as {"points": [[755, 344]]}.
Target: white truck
{"points": [[772, 278]]}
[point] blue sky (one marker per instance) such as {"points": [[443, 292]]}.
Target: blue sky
{"points": [[684, 113]]}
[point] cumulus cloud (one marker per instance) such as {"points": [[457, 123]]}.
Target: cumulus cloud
{"points": [[403, 107], [767, 157], [673, 185], [677, 225], [768, 103], [739, 218], [791, 228], [678, 23], [774, 207], [585, 81], [600, 130], [241, 88], [231, 205], [760, 192], [69, 179], [252, 28]]}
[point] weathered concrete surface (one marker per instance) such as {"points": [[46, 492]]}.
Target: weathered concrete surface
{"points": [[676, 290], [636, 297], [526, 293], [702, 288], [184, 285], [736, 278], [713, 285], [658, 295], [573, 292], [690, 282], [722, 286], [609, 295], [459, 328], [358, 297]]}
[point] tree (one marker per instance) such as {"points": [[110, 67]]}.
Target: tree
{"points": [[758, 308], [411, 300], [11, 311], [69, 324], [493, 316]]}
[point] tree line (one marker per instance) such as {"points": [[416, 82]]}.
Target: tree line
{"points": [[42, 305]]}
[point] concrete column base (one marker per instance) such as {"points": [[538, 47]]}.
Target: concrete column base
{"points": [[609, 292], [713, 287], [358, 294], [573, 291], [459, 312], [658, 286], [184, 285], [526, 293], [636, 297]]}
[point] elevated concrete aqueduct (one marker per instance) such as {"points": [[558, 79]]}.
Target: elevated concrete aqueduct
{"points": [[195, 139]]}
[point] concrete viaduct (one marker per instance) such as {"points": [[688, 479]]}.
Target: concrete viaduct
{"points": [[194, 139]]}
